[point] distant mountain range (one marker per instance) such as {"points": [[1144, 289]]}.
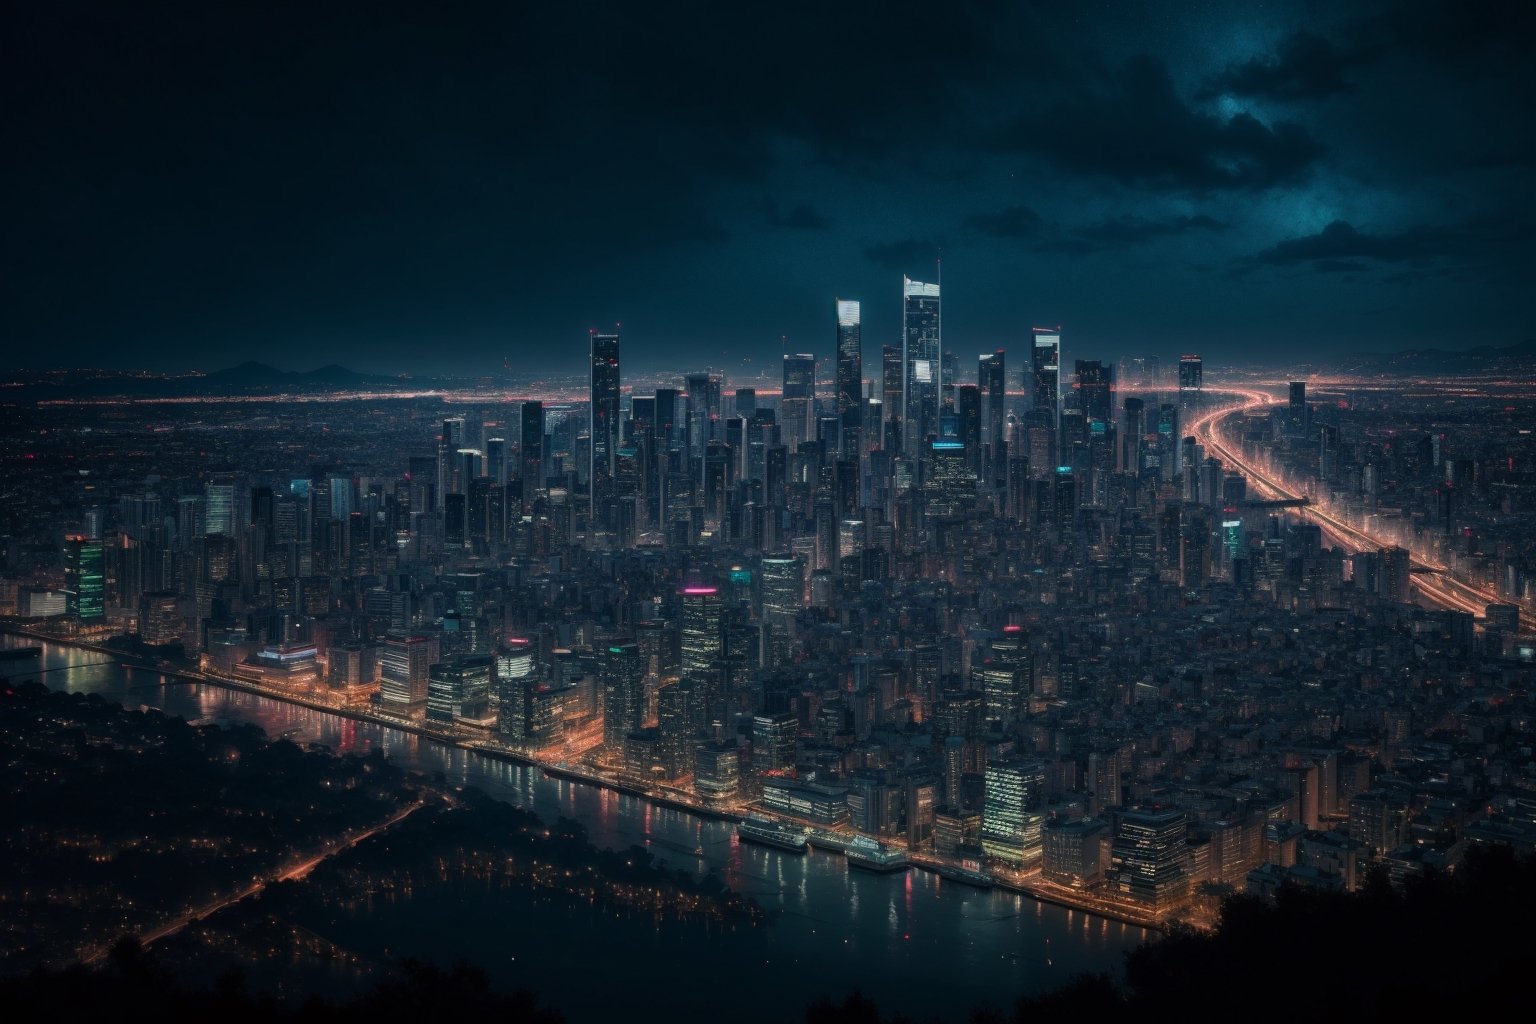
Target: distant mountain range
{"points": [[1417, 362], [254, 379], [249, 378]]}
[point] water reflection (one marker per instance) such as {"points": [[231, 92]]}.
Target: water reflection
{"points": [[931, 935]]}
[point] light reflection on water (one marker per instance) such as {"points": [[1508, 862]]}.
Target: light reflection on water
{"points": [[932, 940]]}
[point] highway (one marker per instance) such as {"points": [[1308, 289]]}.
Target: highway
{"points": [[1434, 581], [286, 874]]}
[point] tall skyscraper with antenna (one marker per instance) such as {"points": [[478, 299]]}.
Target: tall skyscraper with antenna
{"points": [[604, 423], [921, 357]]}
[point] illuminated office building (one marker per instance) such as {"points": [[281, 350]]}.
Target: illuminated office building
{"points": [[604, 423], [850, 378], [84, 579], [403, 674], [460, 692], [922, 347], [623, 681], [1047, 376], [797, 404], [892, 401], [1191, 373], [1010, 828], [701, 642], [1149, 857]]}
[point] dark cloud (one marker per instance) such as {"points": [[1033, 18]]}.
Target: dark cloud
{"points": [[904, 253], [1341, 241], [245, 179], [1304, 66], [1498, 247], [801, 217], [1339, 266], [1139, 131], [1128, 229], [1012, 222]]}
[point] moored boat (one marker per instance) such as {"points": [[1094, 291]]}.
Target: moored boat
{"points": [[870, 855], [772, 833]]}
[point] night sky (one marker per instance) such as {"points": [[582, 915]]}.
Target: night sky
{"points": [[404, 189]]}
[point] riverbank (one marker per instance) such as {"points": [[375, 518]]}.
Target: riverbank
{"points": [[1028, 887]]}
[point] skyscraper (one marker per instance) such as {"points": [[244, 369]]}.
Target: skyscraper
{"points": [[968, 424], [701, 647], [921, 349], [623, 676], [1191, 370], [604, 423], [850, 377], [1047, 377], [1096, 390], [892, 390], [531, 448], [1299, 410], [450, 441], [991, 377], [1010, 830], [798, 403], [219, 507], [703, 410], [84, 579], [496, 460], [403, 674], [1149, 856]]}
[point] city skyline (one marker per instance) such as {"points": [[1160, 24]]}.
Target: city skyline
{"points": [[872, 512]]}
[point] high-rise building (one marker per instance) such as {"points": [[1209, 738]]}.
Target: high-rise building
{"points": [[703, 410], [1006, 677], [1045, 410], [531, 448], [85, 588], [992, 379], [1010, 828], [1047, 377], [797, 406], [774, 739], [922, 347], [623, 675], [1149, 856], [604, 422], [1299, 411], [1133, 418], [1096, 391], [893, 392], [1191, 372], [701, 640], [403, 674], [496, 460], [219, 507], [448, 444], [460, 691], [850, 378], [1072, 852], [968, 425], [782, 580]]}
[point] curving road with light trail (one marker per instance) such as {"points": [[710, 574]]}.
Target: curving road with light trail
{"points": [[1434, 581]]}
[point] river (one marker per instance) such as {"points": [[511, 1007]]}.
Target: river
{"points": [[911, 941]]}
